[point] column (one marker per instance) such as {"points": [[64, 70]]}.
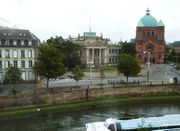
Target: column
{"points": [[93, 55], [100, 56], [105, 57], [87, 56]]}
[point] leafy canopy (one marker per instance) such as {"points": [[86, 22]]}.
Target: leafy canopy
{"points": [[69, 49], [49, 62], [128, 65], [77, 73], [12, 75]]}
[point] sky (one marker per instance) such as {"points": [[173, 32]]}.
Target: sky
{"points": [[116, 19]]}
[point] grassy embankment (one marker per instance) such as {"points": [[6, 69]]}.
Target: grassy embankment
{"points": [[89, 104]]}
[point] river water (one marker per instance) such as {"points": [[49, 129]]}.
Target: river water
{"points": [[74, 120]]}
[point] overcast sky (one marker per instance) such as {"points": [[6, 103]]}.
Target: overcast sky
{"points": [[116, 19]]}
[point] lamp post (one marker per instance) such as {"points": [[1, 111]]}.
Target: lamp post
{"points": [[90, 69], [148, 64]]}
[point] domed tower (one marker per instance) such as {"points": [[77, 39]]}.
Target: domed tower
{"points": [[150, 40]]}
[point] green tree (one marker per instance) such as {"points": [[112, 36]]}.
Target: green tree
{"points": [[70, 50], [128, 48], [77, 74], [128, 65], [12, 76], [49, 62]]}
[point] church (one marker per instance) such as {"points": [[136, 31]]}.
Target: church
{"points": [[150, 41]]}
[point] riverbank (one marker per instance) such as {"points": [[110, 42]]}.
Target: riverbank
{"points": [[89, 104]]}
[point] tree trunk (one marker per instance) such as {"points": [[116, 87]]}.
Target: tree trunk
{"points": [[47, 85], [127, 78]]}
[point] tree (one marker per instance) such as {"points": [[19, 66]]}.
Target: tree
{"points": [[49, 62], [70, 50], [128, 65], [128, 48], [77, 73], [12, 76]]}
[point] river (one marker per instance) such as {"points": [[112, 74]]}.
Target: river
{"points": [[74, 120]]}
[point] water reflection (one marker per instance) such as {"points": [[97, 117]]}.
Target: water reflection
{"points": [[75, 120]]}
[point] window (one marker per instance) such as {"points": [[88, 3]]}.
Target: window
{"points": [[26, 42], [18, 42], [110, 51], [0, 53], [30, 63], [29, 53], [15, 53], [7, 64], [11, 42], [7, 53], [0, 64], [3, 42], [23, 64], [34, 42], [22, 54], [15, 63]]}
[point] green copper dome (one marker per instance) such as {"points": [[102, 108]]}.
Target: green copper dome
{"points": [[147, 20]]}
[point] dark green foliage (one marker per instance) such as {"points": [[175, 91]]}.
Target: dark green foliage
{"points": [[12, 75], [49, 62], [128, 48], [77, 73], [174, 57], [128, 65], [70, 50]]}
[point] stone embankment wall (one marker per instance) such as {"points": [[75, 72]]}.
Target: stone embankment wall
{"points": [[53, 96]]}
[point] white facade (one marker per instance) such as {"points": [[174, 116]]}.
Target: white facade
{"points": [[17, 48]]}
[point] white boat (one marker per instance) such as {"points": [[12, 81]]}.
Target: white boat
{"points": [[160, 123]]}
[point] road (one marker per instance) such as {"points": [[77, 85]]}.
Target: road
{"points": [[158, 73]]}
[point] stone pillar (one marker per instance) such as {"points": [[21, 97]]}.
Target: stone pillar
{"points": [[93, 55], [100, 56], [105, 56], [87, 56]]}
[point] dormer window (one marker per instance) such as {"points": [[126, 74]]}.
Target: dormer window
{"points": [[3, 42], [34, 42], [18, 42], [26, 42], [11, 42]]}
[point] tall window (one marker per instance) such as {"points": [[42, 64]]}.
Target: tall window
{"points": [[30, 63], [3, 42], [0, 53], [23, 64], [15, 53], [22, 53], [26, 42], [15, 63], [7, 53], [0, 64], [7, 64], [34, 42], [11, 42], [29, 53], [18, 42]]}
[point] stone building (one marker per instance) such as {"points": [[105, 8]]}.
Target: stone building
{"points": [[17, 48], [150, 41], [96, 50]]}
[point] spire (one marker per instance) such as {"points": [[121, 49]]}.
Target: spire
{"points": [[147, 11], [89, 24]]}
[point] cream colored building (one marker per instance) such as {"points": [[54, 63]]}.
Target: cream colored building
{"points": [[96, 50]]}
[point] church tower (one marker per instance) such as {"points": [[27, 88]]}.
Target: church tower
{"points": [[150, 41]]}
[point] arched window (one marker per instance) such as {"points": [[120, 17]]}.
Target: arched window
{"points": [[18, 42], [26, 42]]}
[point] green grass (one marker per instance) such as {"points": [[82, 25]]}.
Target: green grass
{"points": [[78, 105]]}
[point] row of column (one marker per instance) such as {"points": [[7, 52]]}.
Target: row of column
{"points": [[92, 56]]}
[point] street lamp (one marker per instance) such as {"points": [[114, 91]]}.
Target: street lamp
{"points": [[148, 63], [90, 70]]}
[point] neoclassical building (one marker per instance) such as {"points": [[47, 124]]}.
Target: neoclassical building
{"points": [[97, 50], [150, 40], [17, 48]]}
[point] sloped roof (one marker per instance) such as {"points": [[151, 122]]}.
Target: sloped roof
{"points": [[12, 33]]}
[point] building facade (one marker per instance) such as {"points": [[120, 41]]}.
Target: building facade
{"points": [[17, 48], [96, 50], [150, 40]]}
